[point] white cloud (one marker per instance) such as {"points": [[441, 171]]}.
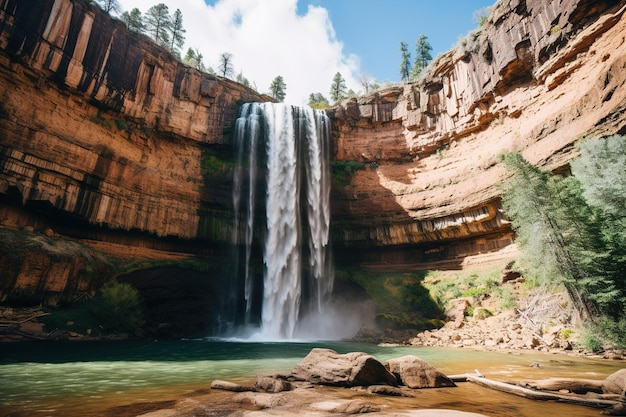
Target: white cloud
{"points": [[266, 39]]}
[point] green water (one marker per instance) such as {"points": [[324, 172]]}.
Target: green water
{"points": [[80, 378]]}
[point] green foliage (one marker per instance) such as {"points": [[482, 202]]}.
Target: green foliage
{"points": [[277, 88], [566, 239], [216, 161], [146, 130], [133, 20], [481, 313], [566, 334], [507, 299], [446, 286], [242, 80], [405, 63], [341, 171], [422, 56], [101, 120], [78, 318], [121, 124], [117, 306], [338, 89], [590, 342], [194, 59], [177, 37], [481, 16], [158, 23], [318, 101], [401, 300]]}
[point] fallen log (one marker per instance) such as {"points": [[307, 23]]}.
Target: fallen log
{"points": [[540, 395], [578, 386]]}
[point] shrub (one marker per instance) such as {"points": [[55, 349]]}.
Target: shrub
{"points": [[118, 307], [482, 313], [341, 171], [591, 342]]}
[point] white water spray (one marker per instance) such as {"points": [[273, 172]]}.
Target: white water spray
{"points": [[296, 144]]}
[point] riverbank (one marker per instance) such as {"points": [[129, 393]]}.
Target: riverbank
{"points": [[305, 398]]}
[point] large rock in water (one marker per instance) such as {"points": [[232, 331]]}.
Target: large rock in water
{"points": [[615, 383], [327, 367], [416, 373]]}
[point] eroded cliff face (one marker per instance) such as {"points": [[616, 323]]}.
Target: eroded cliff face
{"points": [[106, 139], [102, 137], [537, 77]]}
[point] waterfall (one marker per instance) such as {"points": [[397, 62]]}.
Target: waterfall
{"points": [[297, 277]]}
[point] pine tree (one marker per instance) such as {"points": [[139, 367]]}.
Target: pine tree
{"points": [[133, 20], [177, 31], [193, 58], [318, 101], [422, 56], [277, 88], [542, 230], [600, 170], [405, 64], [242, 80], [158, 24], [338, 88]]}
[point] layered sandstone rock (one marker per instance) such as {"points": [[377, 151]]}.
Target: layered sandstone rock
{"points": [[537, 77], [103, 137], [101, 123]]}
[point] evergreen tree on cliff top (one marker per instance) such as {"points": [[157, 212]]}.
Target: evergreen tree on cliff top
{"points": [[158, 24], [133, 20], [277, 88], [177, 32], [422, 56], [338, 88], [405, 64]]}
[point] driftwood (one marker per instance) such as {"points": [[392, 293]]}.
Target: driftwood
{"points": [[578, 386], [542, 396]]}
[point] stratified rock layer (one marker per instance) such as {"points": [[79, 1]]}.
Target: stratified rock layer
{"points": [[105, 137], [535, 78], [102, 137]]}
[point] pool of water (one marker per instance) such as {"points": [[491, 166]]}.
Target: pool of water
{"points": [[80, 378]]}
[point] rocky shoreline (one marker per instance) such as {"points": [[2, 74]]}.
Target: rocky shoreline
{"points": [[326, 383]]}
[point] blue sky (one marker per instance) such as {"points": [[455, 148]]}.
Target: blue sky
{"points": [[373, 29], [308, 41]]}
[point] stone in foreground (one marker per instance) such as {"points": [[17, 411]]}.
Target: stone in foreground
{"points": [[327, 367], [416, 373]]}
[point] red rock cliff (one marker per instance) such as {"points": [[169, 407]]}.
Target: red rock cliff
{"points": [[101, 123], [535, 78], [103, 134]]}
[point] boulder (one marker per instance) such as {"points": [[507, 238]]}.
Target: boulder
{"points": [[271, 383], [416, 373], [327, 367], [615, 383]]}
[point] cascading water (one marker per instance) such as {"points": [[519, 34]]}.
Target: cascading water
{"points": [[298, 277]]}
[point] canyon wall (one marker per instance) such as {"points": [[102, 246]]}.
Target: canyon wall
{"points": [[106, 139], [102, 137], [535, 78]]}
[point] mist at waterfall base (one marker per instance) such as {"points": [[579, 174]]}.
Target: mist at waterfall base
{"points": [[281, 193]]}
